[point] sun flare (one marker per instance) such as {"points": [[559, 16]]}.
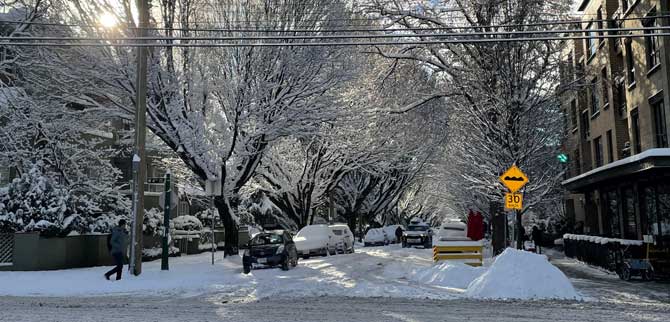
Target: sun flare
{"points": [[108, 20]]}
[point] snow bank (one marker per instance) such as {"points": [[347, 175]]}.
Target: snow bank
{"points": [[446, 274], [517, 274]]}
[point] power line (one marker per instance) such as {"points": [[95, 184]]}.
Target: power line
{"points": [[268, 30], [331, 44], [344, 36]]}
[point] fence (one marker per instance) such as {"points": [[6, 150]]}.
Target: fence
{"points": [[602, 252], [6, 249]]}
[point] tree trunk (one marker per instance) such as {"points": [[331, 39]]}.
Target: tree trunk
{"points": [[229, 224]]}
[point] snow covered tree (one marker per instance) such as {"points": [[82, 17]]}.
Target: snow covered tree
{"points": [[218, 118], [501, 95]]}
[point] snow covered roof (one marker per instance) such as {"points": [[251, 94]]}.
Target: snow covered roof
{"points": [[638, 158]]}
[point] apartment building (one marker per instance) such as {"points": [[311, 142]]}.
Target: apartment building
{"points": [[615, 100]]}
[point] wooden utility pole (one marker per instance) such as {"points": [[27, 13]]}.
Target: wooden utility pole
{"points": [[140, 138]]}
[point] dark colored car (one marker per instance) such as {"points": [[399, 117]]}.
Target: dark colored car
{"points": [[269, 249], [417, 234]]}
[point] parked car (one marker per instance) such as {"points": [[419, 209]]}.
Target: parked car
{"points": [[376, 237], [452, 230], [269, 249], [418, 233], [344, 238], [390, 232], [315, 240]]}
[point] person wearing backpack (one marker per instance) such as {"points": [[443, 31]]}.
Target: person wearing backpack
{"points": [[116, 243]]}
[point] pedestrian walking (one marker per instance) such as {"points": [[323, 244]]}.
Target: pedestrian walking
{"points": [[536, 234], [398, 234], [117, 245]]}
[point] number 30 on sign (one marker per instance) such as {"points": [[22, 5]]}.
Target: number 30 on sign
{"points": [[513, 201]]}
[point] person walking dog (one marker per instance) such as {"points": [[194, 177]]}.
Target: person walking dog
{"points": [[117, 244]]}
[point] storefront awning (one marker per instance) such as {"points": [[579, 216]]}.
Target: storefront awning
{"points": [[647, 160]]}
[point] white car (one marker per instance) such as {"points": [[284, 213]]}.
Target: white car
{"points": [[376, 237], [390, 232], [344, 239], [315, 240], [452, 230]]}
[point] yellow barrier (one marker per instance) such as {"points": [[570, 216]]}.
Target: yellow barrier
{"points": [[471, 255]]}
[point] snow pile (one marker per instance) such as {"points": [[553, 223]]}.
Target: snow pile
{"points": [[448, 274], [517, 274]]}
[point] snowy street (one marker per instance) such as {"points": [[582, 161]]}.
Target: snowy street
{"points": [[203, 308], [375, 284]]}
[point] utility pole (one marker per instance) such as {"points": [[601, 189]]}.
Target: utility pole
{"points": [[140, 138]]}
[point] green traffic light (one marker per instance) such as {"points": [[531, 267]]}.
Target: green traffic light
{"points": [[562, 158]]}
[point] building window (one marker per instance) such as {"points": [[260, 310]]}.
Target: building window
{"points": [[635, 126], [630, 63], [657, 210], [660, 129], [612, 210], [603, 82], [652, 47], [610, 147], [577, 163], [630, 220], [591, 41], [571, 66], [595, 99], [598, 151], [573, 114], [585, 125]]}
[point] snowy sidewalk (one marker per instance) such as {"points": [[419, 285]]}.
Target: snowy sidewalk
{"points": [[598, 284]]}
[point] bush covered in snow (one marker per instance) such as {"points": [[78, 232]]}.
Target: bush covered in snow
{"points": [[154, 222], [187, 223], [37, 202]]}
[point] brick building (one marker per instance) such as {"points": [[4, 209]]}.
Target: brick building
{"points": [[615, 102]]}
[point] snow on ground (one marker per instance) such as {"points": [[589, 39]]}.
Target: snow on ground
{"points": [[388, 271]]}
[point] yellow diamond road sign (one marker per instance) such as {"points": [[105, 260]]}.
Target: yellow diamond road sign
{"points": [[514, 179]]}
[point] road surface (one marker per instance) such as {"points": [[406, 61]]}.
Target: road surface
{"points": [[201, 309]]}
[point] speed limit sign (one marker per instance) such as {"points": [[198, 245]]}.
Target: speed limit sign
{"points": [[513, 201]]}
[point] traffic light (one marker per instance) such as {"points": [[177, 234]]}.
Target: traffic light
{"points": [[562, 158]]}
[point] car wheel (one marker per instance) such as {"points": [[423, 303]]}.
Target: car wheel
{"points": [[648, 275], [352, 249], [246, 269], [305, 256], [404, 245]]}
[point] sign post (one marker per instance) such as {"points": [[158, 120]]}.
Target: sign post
{"points": [[166, 222], [213, 188], [514, 179]]}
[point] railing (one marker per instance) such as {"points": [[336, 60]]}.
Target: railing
{"points": [[6, 249]]}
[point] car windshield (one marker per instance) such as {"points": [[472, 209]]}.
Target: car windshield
{"points": [[417, 228], [267, 239]]}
